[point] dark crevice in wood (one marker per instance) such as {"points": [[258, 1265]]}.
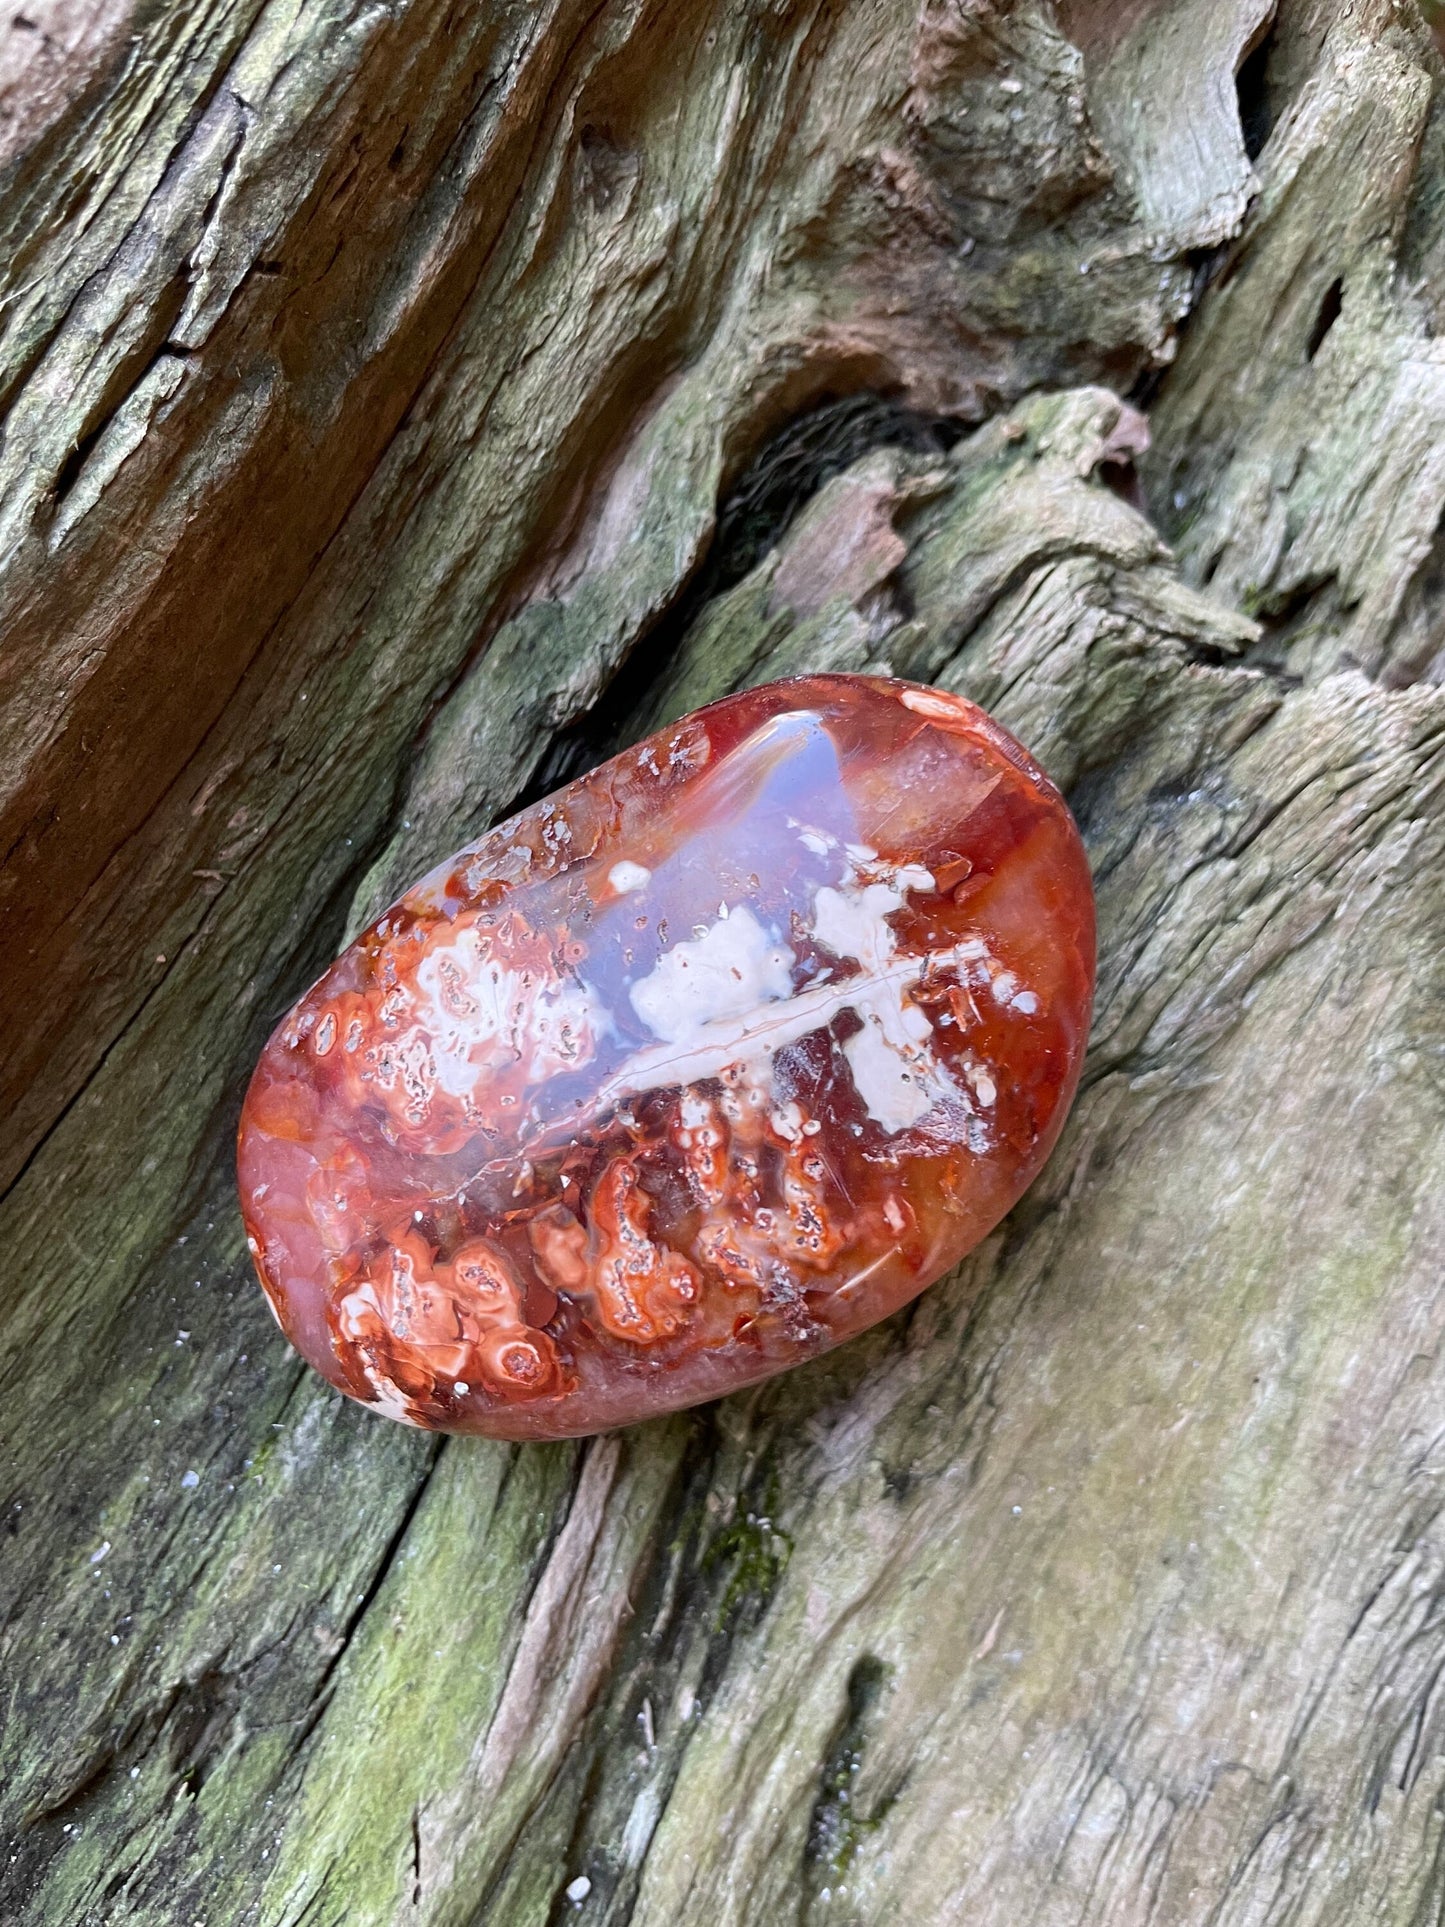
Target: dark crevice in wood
{"points": [[1211, 268], [1279, 613], [721, 1555], [1331, 308], [91, 106], [788, 472], [1145, 390], [1425, 601], [128, 375], [837, 1827], [200, 1723], [782, 479], [1121, 478], [1251, 84], [1214, 267], [1284, 616], [391, 1551]]}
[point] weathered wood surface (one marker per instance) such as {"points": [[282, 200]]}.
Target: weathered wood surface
{"points": [[404, 404]]}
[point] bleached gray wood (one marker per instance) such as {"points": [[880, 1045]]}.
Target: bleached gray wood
{"points": [[403, 405]]}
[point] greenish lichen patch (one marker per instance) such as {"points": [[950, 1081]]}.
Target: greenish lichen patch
{"points": [[751, 1551], [837, 1826]]}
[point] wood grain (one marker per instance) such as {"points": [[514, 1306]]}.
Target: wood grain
{"points": [[405, 405]]}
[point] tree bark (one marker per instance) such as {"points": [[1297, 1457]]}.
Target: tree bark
{"points": [[406, 405]]}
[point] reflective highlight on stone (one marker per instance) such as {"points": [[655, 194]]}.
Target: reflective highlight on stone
{"points": [[707, 1063]]}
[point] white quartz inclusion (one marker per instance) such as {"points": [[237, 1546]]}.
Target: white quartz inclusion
{"points": [[625, 877], [894, 1067], [716, 980], [726, 1000]]}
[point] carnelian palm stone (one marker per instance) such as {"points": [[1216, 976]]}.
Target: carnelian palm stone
{"points": [[700, 1067]]}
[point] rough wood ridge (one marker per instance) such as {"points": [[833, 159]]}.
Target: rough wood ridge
{"points": [[404, 405]]}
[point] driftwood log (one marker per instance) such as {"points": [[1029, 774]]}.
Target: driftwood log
{"points": [[405, 404]]}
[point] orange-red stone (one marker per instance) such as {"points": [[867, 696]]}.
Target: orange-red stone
{"points": [[712, 1060]]}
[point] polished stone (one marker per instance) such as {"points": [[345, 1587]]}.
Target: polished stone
{"points": [[701, 1066]]}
